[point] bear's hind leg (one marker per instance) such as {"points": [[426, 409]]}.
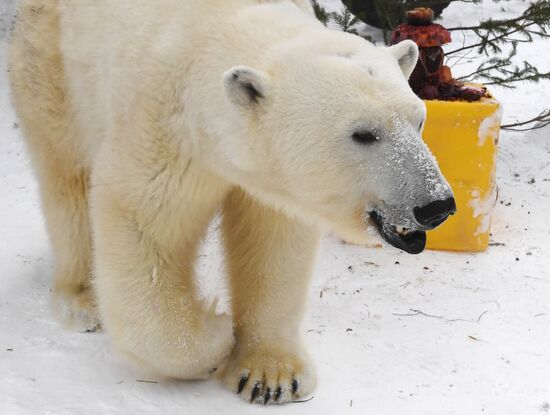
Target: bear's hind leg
{"points": [[269, 259], [65, 204], [38, 91], [64, 195]]}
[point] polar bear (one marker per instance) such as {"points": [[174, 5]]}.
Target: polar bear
{"points": [[144, 119]]}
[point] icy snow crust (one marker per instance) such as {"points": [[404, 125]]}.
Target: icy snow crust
{"points": [[438, 333]]}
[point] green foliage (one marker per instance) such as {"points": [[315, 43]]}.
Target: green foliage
{"points": [[503, 72], [387, 14], [321, 14], [494, 34], [345, 20]]}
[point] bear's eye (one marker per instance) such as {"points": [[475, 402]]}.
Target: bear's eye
{"points": [[421, 125], [364, 137]]}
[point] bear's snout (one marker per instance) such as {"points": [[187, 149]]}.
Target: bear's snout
{"points": [[434, 213]]}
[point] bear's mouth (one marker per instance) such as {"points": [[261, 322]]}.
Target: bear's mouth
{"points": [[408, 240]]}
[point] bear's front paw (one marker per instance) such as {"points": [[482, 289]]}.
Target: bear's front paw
{"points": [[75, 308], [269, 375]]}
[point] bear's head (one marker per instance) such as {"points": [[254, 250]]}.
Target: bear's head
{"points": [[329, 129]]}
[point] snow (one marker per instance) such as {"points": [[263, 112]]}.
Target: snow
{"points": [[483, 206], [438, 333], [489, 126]]}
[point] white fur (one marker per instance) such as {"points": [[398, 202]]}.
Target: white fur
{"points": [[138, 138]]}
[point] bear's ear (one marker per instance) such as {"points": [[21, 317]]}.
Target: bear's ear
{"points": [[406, 53], [245, 86]]}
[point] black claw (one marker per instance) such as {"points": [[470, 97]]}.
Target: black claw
{"points": [[255, 391], [267, 396], [242, 384], [294, 386], [278, 394]]}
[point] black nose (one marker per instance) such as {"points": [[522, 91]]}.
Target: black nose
{"points": [[435, 213]]}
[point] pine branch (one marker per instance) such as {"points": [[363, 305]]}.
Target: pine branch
{"points": [[345, 20], [490, 41], [320, 12], [517, 77], [494, 33], [501, 71], [488, 24], [494, 63], [481, 70], [539, 121]]}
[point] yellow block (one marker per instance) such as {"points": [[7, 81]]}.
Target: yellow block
{"points": [[463, 137]]}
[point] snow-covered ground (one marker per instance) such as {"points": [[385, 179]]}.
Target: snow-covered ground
{"points": [[479, 341]]}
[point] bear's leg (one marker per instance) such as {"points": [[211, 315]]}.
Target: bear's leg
{"points": [[64, 194], [269, 258], [63, 188], [148, 224], [64, 199], [38, 91]]}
